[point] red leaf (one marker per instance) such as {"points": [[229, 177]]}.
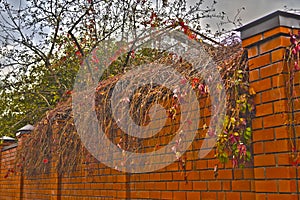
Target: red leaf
{"points": [[45, 161], [69, 92], [78, 53], [153, 15], [296, 66], [183, 81], [181, 23], [295, 163], [195, 81], [132, 54], [192, 36]]}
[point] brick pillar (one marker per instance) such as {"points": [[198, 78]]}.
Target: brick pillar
{"points": [[266, 40]]}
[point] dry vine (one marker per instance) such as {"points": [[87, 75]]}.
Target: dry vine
{"points": [[56, 142]]}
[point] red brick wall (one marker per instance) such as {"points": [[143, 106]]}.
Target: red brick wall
{"points": [[9, 183], [274, 177], [168, 183]]}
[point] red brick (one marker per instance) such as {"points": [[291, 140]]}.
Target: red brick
{"points": [[166, 176], [279, 81], [287, 186], [248, 173], [264, 160], [274, 94], [238, 173], [282, 196], [139, 186], [200, 185], [276, 31], [259, 173], [144, 194], [248, 195], [257, 123], [179, 195], [261, 135], [149, 185], [252, 40], [201, 164], [209, 195], [154, 177], [254, 75], [266, 186], [283, 159], [297, 117], [167, 195], [221, 196], [260, 196], [214, 185], [172, 186], [224, 174], [193, 175], [280, 172], [226, 185], [207, 175], [271, 70], [261, 85], [155, 194], [252, 51], [280, 106], [233, 195], [281, 132], [178, 176], [259, 61], [264, 109], [193, 195], [277, 55], [276, 146], [272, 44], [274, 120], [240, 185], [185, 185], [160, 186], [297, 77], [258, 147], [257, 99]]}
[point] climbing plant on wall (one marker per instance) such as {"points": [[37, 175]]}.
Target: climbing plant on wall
{"points": [[291, 65]]}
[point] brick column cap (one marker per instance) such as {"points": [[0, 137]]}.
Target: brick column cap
{"points": [[7, 142], [268, 22], [24, 130]]}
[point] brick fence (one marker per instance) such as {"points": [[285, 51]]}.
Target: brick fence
{"points": [[271, 177]]}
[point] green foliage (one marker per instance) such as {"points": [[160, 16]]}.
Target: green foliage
{"points": [[26, 98], [234, 142]]}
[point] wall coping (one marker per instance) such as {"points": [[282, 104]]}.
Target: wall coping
{"points": [[268, 22], [14, 145]]}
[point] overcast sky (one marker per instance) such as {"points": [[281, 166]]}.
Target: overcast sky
{"points": [[254, 9]]}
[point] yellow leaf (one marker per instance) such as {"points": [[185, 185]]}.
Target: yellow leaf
{"points": [[252, 91]]}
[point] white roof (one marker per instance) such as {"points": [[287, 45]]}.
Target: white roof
{"points": [[27, 128], [6, 138]]}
